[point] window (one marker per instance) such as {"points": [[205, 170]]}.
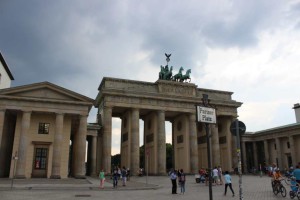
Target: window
{"points": [[288, 145], [40, 158], [179, 139], [44, 128], [275, 146]]}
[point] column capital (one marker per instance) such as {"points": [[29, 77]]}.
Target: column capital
{"points": [[60, 113], [27, 111], [161, 111]]}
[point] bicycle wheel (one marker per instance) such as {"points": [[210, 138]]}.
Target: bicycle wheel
{"points": [[275, 190], [292, 194], [282, 191]]}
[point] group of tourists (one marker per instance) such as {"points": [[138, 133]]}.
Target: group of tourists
{"points": [[293, 174], [180, 175], [120, 173], [117, 174], [216, 177]]}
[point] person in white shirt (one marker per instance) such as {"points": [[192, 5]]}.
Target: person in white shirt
{"points": [[216, 176]]}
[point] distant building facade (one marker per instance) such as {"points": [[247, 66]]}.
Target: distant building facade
{"points": [[5, 75], [45, 127], [279, 145]]}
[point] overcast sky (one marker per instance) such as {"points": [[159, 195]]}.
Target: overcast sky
{"points": [[251, 48]]}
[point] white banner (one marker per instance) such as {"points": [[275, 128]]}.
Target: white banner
{"points": [[206, 115]]}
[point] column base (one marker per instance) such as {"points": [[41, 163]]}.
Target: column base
{"points": [[55, 177], [93, 174], [79, 177], [19, 177]]}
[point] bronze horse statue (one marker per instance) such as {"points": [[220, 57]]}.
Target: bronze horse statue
{"points": [[178, 76], [186, 76]]}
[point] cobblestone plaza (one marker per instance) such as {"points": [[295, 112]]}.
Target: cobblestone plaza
{"points": [[158, 187]]}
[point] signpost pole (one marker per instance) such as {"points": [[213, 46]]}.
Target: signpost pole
{"points": [[207, 115], [239, 158], [209, 160]]}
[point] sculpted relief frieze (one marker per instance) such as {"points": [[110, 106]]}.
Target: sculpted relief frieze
{"points": [[145, 102], [130, 85], [177, 90]]}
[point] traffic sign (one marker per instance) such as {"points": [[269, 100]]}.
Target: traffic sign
{"points": [[241, 127]]}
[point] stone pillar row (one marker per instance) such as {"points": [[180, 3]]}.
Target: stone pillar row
{"points": [[134, 146], [23, 145], [79, 164], [93, 156], [193, 144], [292, 149], [107, 130], [79, 146], [57, 144], [161, 143], [267, 155]]}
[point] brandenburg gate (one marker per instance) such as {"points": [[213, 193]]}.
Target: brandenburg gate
{"points": [[155, 103]]}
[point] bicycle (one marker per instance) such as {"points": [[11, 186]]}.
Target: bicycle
{"points": [[295, 191], [278, 187]]}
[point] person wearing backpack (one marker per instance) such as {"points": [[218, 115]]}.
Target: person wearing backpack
{"points": [[181, 181]]}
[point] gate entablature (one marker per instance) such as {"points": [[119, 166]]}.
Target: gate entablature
{"points": [[161, 95]]}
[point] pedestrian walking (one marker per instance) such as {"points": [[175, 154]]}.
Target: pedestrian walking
{"points": [[124, 175], [227, 178], [220, 174], [115, 178], [102, 178], [173, 177], [181, 180]]}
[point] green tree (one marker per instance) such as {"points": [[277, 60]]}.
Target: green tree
{"points": [[169, 156], [115, 161]]}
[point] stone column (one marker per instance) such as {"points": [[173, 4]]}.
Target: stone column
{"points": [[267, 155], [244, 157], [255, 155], [107, 122], [2, 117], [134, 142], [193, 144], [161, 143], [278, 152], [23, 145], [2, 157], [93, 156], [58, 136], [215, 145], [227, 122], [292, 149], [79, 168]]}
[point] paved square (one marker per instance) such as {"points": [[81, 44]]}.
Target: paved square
{"points": [[158, 188]]}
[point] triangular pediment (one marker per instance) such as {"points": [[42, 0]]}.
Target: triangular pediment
{"points": [[44, 91]]}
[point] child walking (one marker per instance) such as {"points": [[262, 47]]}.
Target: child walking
{"points": [[227, 178], [102, 178]]}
